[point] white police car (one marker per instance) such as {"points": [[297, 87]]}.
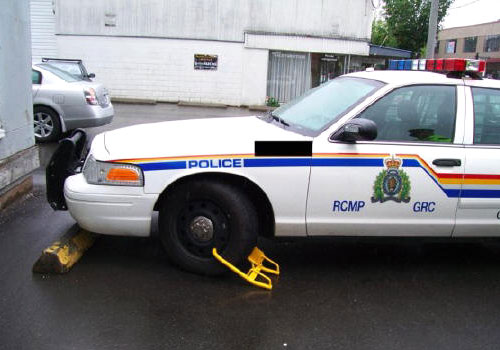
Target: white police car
{"points": [[381, 153]]}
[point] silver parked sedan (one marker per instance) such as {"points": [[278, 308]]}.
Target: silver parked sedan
{"points": [[62, 102]]}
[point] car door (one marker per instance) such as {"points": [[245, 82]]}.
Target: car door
{"points": [[406, 182], [478, 211]]}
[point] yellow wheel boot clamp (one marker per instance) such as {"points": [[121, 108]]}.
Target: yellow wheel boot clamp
{"points": [[255, 275]]}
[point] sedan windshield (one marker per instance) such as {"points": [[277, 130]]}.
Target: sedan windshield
{"points": [[59, 73], [319, 107]]}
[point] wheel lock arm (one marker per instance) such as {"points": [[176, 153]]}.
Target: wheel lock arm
{"points": [[255, 275]]}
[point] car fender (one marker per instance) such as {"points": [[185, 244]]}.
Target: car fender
{"points": [[47, 102], [178, 175], [250, 186]]}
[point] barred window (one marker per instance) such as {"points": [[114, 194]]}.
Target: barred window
{"points": [[470, 44], [492, 43]]}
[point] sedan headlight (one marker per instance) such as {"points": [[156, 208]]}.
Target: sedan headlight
{"points": [[108, 173]]}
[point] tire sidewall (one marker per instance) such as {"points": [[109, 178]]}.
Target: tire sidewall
{"points": [[238, 210]]}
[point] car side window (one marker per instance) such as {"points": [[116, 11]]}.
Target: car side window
{"points": [[415, 113], [36, 77], [486, 116]]}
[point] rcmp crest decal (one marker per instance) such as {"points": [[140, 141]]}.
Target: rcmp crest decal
{"points": [[392, 183]]}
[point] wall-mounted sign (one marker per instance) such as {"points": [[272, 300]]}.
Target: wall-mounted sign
{"points": [[109, 20], [205, 62], [330, 58]]}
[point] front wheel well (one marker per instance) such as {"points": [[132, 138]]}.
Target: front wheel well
{"points": [[256, 195]]}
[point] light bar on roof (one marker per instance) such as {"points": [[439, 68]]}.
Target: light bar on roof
{"points": [[440, 65]]}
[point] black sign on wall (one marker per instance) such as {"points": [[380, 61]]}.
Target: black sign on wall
{"points": [[205, 62]]}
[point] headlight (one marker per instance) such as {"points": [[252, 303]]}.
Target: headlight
{"points": [[107, 173]]}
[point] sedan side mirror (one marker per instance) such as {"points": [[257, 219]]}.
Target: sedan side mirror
{"points": [[358, 129], [91, 75]]}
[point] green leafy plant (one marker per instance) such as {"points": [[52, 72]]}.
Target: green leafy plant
{"points": [[406, 23], [272, 102]]}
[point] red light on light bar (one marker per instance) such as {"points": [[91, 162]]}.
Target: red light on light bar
{"points": [[429, 65], [454, 65], [482, 66], [439, 64]]}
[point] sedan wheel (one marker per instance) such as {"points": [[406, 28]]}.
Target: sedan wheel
{"points": [[46, 124]]}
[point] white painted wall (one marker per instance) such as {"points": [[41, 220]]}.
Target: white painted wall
{"points": [[43, 26], [163, 69], [216, 19]]}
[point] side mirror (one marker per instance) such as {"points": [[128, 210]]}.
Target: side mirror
{"points": [[357, 129], [91, 75]]}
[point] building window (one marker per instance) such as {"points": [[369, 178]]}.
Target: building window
{"points": [[451, 46], [289, 74], [470, 44], [492, 43]]}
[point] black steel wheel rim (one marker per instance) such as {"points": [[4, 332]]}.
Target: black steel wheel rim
{"points": [[208, 211]]}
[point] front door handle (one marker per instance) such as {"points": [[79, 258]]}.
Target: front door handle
{"points": [[447, 162]]}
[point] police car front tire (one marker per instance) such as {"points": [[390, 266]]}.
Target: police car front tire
{"points": [[197, 216]]}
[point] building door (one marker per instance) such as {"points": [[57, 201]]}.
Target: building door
{"points": [[328, 68], [289, 75]]}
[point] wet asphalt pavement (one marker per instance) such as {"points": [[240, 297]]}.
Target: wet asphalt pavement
{"points": [[332, 294]]}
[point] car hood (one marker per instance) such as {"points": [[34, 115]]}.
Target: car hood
{"points": [[194, 137]]}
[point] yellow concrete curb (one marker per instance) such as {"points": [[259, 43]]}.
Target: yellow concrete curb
{"points": [[64, 253]]}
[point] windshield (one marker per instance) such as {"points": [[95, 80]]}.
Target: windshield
{"points": [[58, 72], [321, 106]]}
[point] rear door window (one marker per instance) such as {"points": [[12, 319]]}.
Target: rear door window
{"points": [[36, 77], [486, 116]]}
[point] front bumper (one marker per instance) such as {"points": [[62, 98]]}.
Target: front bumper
{"points": [[111, 210]]}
